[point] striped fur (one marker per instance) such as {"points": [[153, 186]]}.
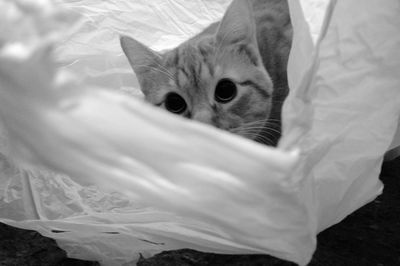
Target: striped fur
{"points": [[250, 46]]}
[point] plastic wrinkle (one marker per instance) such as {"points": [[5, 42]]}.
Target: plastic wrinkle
{"points": [[85, 161]]}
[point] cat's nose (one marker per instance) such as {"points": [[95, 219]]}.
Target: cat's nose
{"points": [[203, 116]]}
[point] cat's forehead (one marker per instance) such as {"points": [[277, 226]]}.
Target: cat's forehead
{"points": [[192, 64], [188, 56]]}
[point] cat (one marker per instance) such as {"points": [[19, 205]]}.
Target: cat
{"points": [[232, 75]]}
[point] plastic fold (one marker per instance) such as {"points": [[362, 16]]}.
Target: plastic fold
{"points": [[85, 161]]}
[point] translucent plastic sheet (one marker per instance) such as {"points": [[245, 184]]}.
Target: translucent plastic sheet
{"points": [[138, 180]]}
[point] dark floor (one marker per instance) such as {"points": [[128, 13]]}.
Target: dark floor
{"points": [[368, 237]]}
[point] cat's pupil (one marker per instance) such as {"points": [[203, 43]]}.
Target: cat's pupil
{"points": [[175, 103], [225, 91]]}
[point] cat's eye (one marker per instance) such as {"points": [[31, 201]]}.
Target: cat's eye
{"points": [[175, 103], [225, 91]]}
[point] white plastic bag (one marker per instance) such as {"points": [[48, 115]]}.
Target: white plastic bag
{"points": [[141, 180], [210, 187], [353, 98]]}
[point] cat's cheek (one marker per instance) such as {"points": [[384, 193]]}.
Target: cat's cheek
{"points": [[234, 121]]}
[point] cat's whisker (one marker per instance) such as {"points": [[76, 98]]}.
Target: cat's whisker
{"points": [[264, 124], [271, 130], [252, 128], [257, 121], [269, 134], [266, 135], [258, 132], [276, 101], [265, 120], [254, 123], [277, 122], [264, 140], [273, 120], [242, 131], [257, 137], [250, 133], [263, 131], [248, 127]]}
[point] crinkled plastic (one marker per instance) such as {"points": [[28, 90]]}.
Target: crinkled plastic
{"points": [[128, 178], [353, 97]]}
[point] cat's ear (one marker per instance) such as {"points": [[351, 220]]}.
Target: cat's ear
{"points": [[140, 57], [238, 24]]}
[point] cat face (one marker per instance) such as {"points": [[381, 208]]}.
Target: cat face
{"points": [[216, 78]]}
